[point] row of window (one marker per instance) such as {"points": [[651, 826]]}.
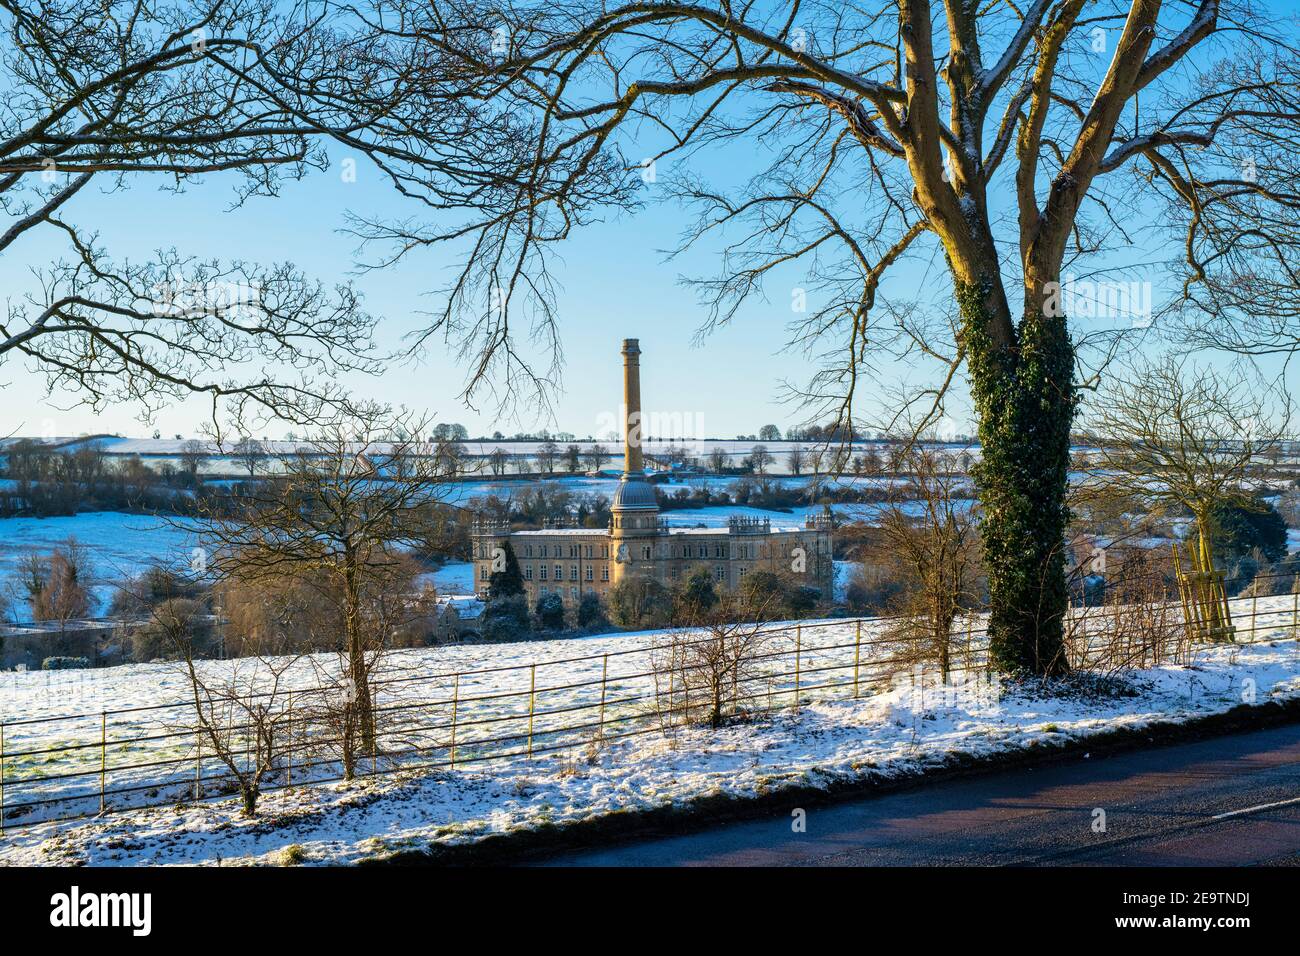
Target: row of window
{"points": [[543, 571], [556, 573], [573, 592], [644, 521], [557, 551], [742, 552]]}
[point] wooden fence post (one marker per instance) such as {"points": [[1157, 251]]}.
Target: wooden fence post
{"points": [[604, 677], [798, 652], [857, 655], [198, 765], [103, 758], [2, 777], [288, 750], [532, 703], [455, 705], [374, 732]]}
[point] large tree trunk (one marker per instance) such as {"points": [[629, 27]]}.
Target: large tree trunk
{"points": [[1024, 398], [358, 675]]}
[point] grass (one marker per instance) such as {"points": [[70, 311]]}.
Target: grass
{"points": [[293, 855]]}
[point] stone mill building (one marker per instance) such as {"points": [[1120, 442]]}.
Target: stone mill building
{"points": [[572, 561]]}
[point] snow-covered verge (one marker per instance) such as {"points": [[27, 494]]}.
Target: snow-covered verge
{"points": [[904, 730]]}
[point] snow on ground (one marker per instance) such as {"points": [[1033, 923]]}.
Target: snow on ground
{"points": [[462, 492], [454, 577], [904, 726], [843, 576]]}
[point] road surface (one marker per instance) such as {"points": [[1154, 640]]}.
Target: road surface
{"points": [[1231, 800]]}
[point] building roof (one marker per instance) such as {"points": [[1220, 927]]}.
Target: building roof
{"points": [[546, 531], [634, 494]]}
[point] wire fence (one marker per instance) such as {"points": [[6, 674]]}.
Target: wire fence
{"points": [[85, 764]]}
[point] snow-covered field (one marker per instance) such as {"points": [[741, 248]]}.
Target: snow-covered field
{"points": [[900, 724], [116, 545], [454, 577]]}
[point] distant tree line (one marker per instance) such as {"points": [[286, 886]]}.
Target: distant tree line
{"points": [[46, 482]]}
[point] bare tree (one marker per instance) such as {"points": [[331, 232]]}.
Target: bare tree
{"points": [[103, 93], [1001, 141], [572, 458], [57, 586], [795, 460], [497, 460], [193, 453], [871, 463], [596, 456], [1175, 436], [896, 452], [450, 455], [249, 453], [761, 458], [548, 454], [928, 531], [339, 517]]}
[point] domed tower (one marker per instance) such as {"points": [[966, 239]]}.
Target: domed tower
{"points": [[634, 519]]}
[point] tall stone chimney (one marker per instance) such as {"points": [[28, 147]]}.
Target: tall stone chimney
{"points": [[633, 464], [634, 509]]}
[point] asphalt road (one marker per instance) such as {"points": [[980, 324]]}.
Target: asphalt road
{"points": [[1231, 800]]}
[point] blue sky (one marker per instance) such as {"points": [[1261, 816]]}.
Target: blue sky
{"points": [[614, 283]]}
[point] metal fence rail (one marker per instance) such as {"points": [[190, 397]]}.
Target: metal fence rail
{"points": [[85, 764]]}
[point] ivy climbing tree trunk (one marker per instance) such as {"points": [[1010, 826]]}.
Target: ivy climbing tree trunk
{"points": [[1024, 396]]}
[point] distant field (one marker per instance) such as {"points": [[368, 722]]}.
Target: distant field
{"points": [[118, 545]]}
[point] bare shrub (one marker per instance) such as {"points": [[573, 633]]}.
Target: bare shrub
{"points": [[173, 623], [928, 534], [242, 714], [1141, 622], [707, 671]]}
